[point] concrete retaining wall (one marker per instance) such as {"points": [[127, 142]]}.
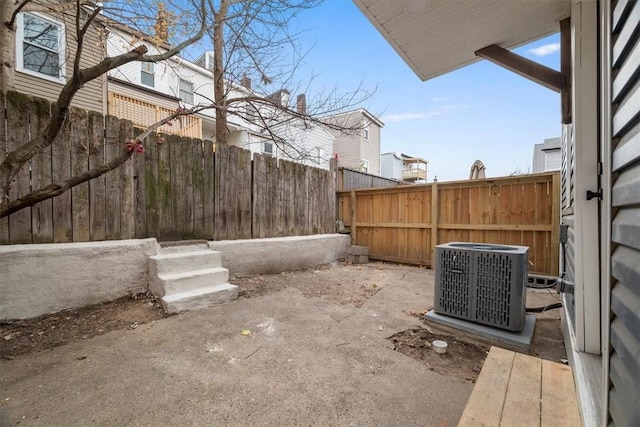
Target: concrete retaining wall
{"points": [[263, 256], [46, 278]]}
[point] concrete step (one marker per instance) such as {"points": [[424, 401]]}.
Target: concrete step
{"points": [[199, 298], [178, 262], [169, 247], [168, 284]]}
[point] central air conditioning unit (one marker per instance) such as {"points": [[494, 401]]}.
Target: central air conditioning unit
{"points": [[482, 283]]}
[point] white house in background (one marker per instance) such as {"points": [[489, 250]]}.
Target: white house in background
{"points": [[359, 150], [45, 45], [403, 167], [547, 156], [147, 92]]}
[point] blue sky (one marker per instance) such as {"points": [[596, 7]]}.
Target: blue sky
{"points": [[478, 112]]}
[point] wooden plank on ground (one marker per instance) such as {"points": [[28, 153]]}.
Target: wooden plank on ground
{"points": [[41, 213], [97, 186], [559, 401], [113, 184], [18, 134], [80, 215], [127, 185], [487, 399], [522, 404]]}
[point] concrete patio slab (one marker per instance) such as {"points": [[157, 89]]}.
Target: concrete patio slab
{"points": [[306, 361]]}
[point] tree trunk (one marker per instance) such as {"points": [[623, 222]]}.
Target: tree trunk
{"points": [[218, 73], [7, 47]]}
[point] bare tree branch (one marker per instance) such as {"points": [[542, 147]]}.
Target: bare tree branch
{"points": [[58, 188], [17, 158]]}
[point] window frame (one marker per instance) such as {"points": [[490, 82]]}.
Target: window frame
{"points": [[365, 130], [152, 74], [192, 93], [264, 148], [62, 47]]}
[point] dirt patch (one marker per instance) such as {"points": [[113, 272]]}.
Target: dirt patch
{"points": [[462, 360], [339, 283], [19, 337]]}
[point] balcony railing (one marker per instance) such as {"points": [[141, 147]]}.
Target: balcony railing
{"points": [[144, 114], [413, 174]]}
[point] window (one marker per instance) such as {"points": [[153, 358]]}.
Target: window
{"points": [[186, 91], [365, 132], [147, 74], [364, 165], [267, 148], [251, 113], [40, 47]]}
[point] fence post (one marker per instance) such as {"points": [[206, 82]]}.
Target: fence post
{"points": [[434, 220], [353, 217]]}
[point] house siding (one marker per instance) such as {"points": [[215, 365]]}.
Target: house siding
{"points": [[391, 166], [353, 148], [118, 44], [370, 148], [91, 95], [347, 147], [624, 333], [567, 200]]}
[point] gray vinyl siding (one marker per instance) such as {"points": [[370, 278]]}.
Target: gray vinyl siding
{"points": [[624, 361], [371, 148], [353, 148], [347, 147], [91, 95], [567, 177]]}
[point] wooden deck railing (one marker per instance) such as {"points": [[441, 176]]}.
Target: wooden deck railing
{"points": [[144, 114]]}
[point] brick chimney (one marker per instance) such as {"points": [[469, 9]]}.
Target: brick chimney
{"points": [[301, 103], [246, 82]]}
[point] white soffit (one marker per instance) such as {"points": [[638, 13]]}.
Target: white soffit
{"points": [[438, 36]]}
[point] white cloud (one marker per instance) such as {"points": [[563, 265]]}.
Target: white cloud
{"points": [[438, 99], [405, 117], [419, 115], [546, 49], [453, 107]]}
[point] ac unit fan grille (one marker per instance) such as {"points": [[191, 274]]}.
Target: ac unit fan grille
{"points": [[493, 289], [454, 292]]}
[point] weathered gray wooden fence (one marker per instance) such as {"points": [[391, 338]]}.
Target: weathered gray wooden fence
{"points": [[349, 179], [178, 189]]}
